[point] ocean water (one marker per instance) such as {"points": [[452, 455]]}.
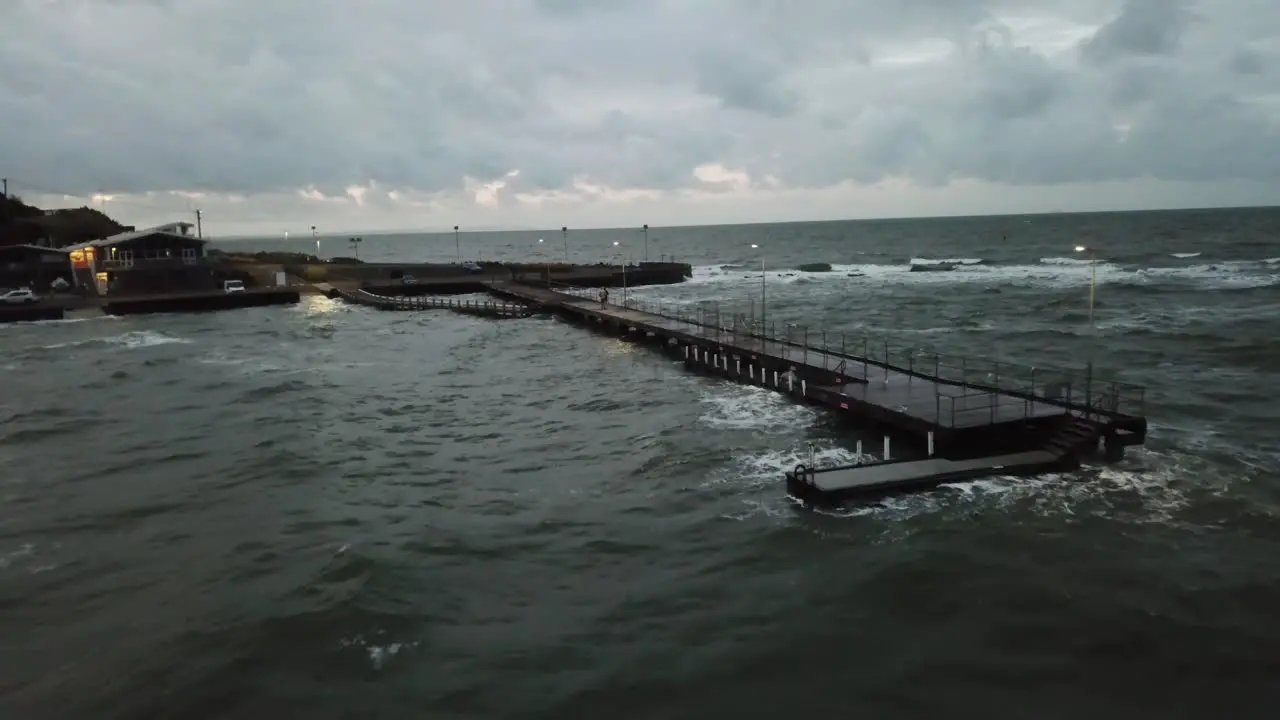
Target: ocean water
{"points": [[326, 511]]}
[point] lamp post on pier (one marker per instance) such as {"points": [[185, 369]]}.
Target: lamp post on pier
{"points": [[457, 243], [763, 287], [315, 237], [546, 264], [618, 253], [564, 232], [646, 242], [1093, 277], [1093, 284]]}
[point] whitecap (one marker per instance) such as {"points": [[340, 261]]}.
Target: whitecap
{"points": [[1065, 261], [946, 261]]}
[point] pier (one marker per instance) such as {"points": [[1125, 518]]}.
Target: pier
{"points": [[948, 419], [482, 308]]}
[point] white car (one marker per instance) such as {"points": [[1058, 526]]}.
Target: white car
{"points": [[21, 296], [233, 286], [472, 267]]}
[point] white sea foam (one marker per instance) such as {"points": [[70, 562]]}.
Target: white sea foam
{"points": [[130, 340], [715, 282], [766, 469], [379, 653], [744, 407], [1184, 255], [145, 338]]}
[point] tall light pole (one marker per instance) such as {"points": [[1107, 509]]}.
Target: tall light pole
{"points": [[763, 286], [564, 232], [1093, 284], [546, 264], [316, 237], [623, 261], [646, 242], [1093, 277], [457, 243]]}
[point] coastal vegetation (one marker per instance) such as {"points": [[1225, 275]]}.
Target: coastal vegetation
{"points": [[23, 224]]}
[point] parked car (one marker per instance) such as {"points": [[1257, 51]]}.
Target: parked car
{"points": [[472, 267], [408, 279], [233, 286], [21, 296]]}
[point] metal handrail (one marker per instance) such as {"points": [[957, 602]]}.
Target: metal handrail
{"points": [[1066, 388]]}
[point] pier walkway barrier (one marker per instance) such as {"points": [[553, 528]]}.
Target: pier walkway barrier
{"points": [[466, 306], [989, 416]]}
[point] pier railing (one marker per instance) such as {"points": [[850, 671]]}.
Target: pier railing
{"points": [[864, 355], [471, 306]]}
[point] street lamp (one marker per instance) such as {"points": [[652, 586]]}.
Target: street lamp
{"points": [[317, 239], [457, 243], [1093, 284], [1093, 276], [646, 242], [763, 286], [622, 261], [564, 231], [355, 245], [546, 264]]}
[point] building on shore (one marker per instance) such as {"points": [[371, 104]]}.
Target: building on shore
{"points": [[161, 259], [33, 266]]}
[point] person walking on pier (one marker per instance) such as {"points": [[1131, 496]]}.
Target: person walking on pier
{"points": [[604, 297]]}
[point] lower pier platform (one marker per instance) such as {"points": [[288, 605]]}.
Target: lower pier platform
{"points": [[875, 480]]}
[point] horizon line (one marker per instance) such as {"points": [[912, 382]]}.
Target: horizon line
{"points": [[519, 229]]}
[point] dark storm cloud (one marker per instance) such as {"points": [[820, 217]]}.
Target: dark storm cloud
{"points": [[248, 96]]}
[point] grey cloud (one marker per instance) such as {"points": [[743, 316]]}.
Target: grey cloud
{"points": [[1143, 27], [1247, 62], [248, 96], [746, 82]]}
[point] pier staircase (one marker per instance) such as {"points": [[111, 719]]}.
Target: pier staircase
{"points": [[1075, 437]]}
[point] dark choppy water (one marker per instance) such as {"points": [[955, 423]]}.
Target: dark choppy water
{"points": [[328, 512]]}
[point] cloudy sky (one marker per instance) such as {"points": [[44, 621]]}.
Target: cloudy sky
{"points": [[274, 115]]}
